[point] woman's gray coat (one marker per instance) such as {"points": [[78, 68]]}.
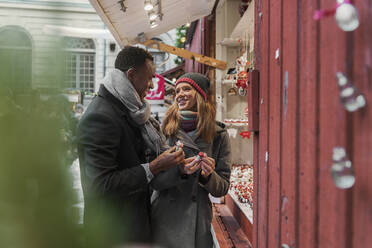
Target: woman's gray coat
{"points": [[181, 214]]}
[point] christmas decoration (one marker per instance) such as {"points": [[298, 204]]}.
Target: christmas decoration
{"points": [[345, 13], [179, 145], [242, 91], [232, 132], [180, 41], [242, 80], [350, 96], [245, 134], [232, 92], [347, 16], [246, 111], [236, 122], [241, 183], [200, 156], [242, 75], [342, 170]]}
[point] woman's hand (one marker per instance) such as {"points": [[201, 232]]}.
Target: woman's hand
{"points": [[190, 166], [207, 165]]}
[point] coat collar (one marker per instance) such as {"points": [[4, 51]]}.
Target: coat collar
{"points": [[194, 141], [104, 93], [116, 103], [187, 140]]}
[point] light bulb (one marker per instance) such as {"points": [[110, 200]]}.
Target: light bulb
{"points": [[153, 24], [153, 16], [347, 17], [187, 24], [148, 6], [342, 171]]}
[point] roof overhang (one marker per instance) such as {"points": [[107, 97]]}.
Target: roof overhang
{"points": [[126, 26]]}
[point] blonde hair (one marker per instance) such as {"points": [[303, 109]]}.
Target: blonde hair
{"points": [[206, 126]]}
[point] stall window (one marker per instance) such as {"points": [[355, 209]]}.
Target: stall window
{"points": [[15, 58], [159, 58], [80, 64]]}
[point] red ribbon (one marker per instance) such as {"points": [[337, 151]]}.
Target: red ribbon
{"points": [[320, 14]]}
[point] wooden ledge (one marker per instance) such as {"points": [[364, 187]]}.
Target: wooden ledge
{"points": [[227, 230]]}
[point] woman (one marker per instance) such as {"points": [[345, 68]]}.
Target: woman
{"points": [[182, 211]]}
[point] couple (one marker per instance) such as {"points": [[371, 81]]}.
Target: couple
{"points": [[125, 158]]}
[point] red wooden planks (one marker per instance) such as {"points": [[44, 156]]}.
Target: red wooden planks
{"points": [[256, 135], [236, 234], [362, 122], [306, 121], [332, 121], [222, 236], [289, 127], [240, 217], [261, 169], [308, 131], [275, 107]]}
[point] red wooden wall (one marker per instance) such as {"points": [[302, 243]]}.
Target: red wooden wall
{"points": [[200, 44], [302, 119]]}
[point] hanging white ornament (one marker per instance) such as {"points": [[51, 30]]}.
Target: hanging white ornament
{"points": [[232, 132], [347, 16], [342, 171], [345, 13], [350, 96], [242, 91]]}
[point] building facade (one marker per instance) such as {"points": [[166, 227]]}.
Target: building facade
{"points": [[60, 43]]}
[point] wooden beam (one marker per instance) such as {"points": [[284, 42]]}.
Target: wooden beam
{"points": [[186, 54]]}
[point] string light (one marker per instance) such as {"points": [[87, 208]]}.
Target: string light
{"points": [[148, 5], [153, 24], [153, 16], [153, 9]]}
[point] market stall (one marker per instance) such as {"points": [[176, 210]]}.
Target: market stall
{"points": [[234, 44]]}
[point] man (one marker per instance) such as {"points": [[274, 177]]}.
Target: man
{"points": [[120, 151]]}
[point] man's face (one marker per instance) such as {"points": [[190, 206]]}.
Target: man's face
{"points": [[141, 78]]}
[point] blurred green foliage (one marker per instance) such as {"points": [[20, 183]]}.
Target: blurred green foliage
{"points": [[180, 41], [37, 147]]}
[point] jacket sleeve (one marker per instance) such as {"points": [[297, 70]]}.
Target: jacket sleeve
{"points": [[219, 180], [99, 139]]}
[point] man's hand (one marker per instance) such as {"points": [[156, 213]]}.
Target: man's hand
{"points": [[166, 160], [190, 166], [208, 165]]}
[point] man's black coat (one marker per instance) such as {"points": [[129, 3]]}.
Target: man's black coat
{"points": [[116, 192]]}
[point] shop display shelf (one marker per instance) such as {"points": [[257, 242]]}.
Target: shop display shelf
{"points": [[240, 198]]}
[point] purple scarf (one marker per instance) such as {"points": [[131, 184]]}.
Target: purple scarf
{"points": [[188, 120]]}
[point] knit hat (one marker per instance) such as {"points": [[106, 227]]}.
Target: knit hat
{"points": [[198, 81]]}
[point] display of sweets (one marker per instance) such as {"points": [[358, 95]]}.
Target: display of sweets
{"points": [[241, 182]]}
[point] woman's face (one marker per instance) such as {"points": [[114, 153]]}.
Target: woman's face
{"points": [[186, 97]]}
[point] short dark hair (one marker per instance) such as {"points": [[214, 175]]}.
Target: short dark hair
{"points": [[131, 57]]}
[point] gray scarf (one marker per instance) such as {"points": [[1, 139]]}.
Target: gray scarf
{"points": [[117, 83]]}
